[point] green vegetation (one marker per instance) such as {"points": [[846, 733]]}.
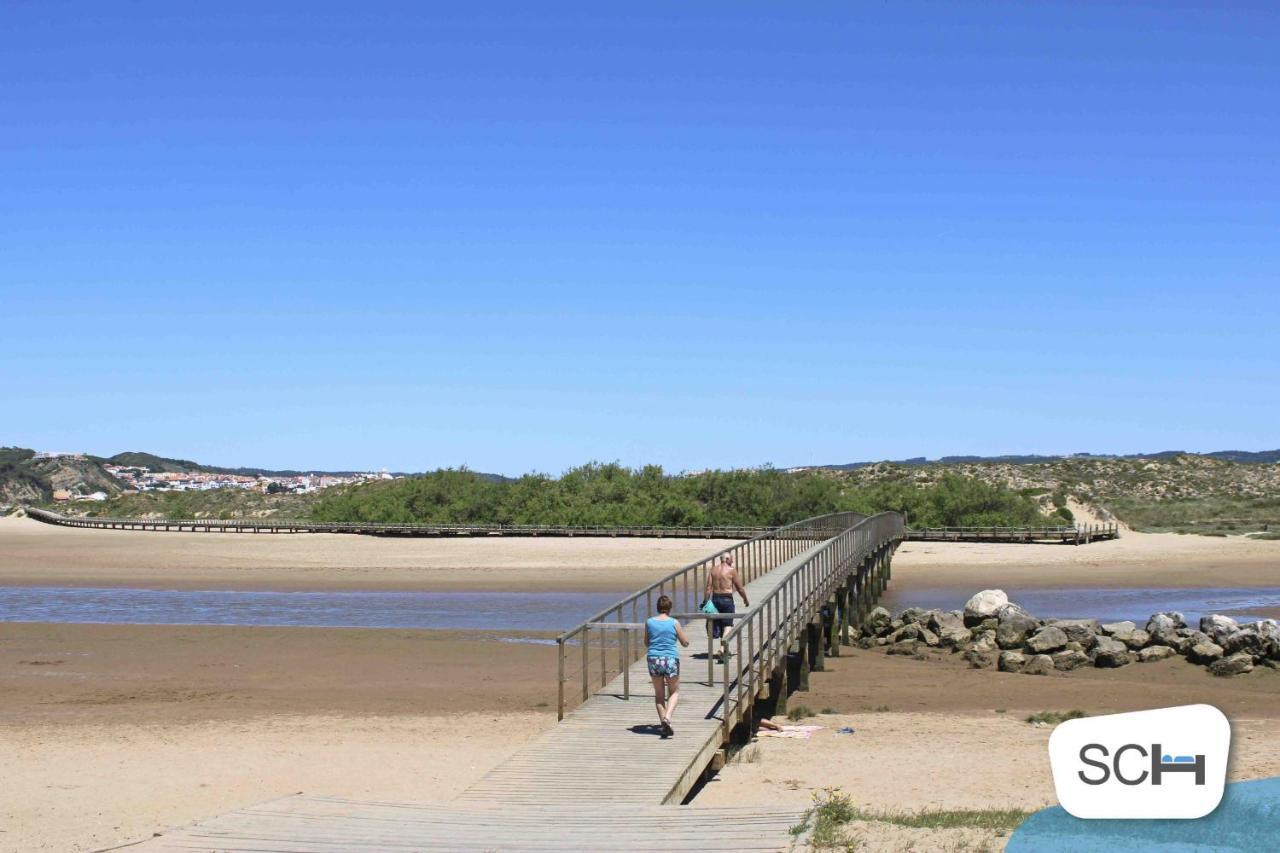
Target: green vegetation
{"points": [[1054, 717], [833, 810], [609, 494], [1228, 493], [799, 712]]}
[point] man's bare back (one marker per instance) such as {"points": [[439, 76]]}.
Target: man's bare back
{"points": [[723, 580]]}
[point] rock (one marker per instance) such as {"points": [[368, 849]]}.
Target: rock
{"points": [[914, 614], [1164, 627], [1123, 628], [985, 643], [906, 647], [1038, 665], [979, 660], [1013, 632], [1247, 640], [1013, 611], [984, 605], [1073, 646], [1218, 627], [950, 628], [987, 625], [1269, 631], [1137, 639], [1234, 665], [1012, 661], [1204, 653], [1192, 639], [893, 626], [865, 642], [877, 620], [1048, 639], [1069, 659], [914, 631], [1109, 652], [1152, 653], [1081, 630]]}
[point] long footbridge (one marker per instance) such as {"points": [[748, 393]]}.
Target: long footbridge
{"points": [[603, 778], [1074, 535]]}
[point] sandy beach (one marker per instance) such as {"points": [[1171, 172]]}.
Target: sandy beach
{"points": [[36, 554], [109, 733]]}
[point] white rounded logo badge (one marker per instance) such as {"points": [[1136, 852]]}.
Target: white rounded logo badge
{"points": [[1168, 763]]}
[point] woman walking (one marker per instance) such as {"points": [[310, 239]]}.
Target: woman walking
{"points": [[661, 633]]}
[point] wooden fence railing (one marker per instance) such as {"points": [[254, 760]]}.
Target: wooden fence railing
{"points": [[607, 643]]}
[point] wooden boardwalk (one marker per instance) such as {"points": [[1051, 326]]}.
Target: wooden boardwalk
{"points": [[370, 528], [1078, 535], [604, 778], [609, 751], [308, 824]]}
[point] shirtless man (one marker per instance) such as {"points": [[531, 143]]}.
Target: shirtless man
{"points": [[722, 580]]}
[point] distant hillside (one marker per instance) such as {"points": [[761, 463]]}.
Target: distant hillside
{"points": [[1156, 492], [1261, 457], [26, 479], [152, 462]]}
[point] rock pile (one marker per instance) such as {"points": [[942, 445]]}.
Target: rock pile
{"points": [[993, 631]]}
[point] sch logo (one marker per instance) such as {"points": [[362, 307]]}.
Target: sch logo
{"points": [[1118, 767]]}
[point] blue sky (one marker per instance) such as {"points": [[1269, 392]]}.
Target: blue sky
{"points": [[523, 236]]}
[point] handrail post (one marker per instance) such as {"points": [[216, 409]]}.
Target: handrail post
{"points": [[560, 680], [586, 661], [625, 652]]}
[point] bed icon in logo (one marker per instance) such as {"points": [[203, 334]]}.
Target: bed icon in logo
{"points": [[1117, 767]]}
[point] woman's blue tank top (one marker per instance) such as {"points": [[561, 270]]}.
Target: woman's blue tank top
{"points": [[662, 637]]}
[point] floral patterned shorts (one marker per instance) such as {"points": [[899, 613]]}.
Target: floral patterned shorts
{"points": [[664, 666]]}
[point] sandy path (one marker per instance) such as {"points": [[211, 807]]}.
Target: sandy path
{"points": [[1135, 560], [32, 553]]}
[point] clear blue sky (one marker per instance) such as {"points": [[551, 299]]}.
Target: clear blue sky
{"points": [[527, 235]]}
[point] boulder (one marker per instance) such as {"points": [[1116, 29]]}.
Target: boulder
{"points": [[1038, 665], [1012, 661], [979, 660], [1233, 665], [1109, 652], [1073, 646], [1081, 630], [1269, 631], [877, 620], [914, 631], [1048, 639], [984, 605], [1164, 627], [905, 647], [1152, 653], [1137, 639], [987, 625], [1015, 629], [1247, 639], [985, 643], [949, 627], [1190, 640], [914, 614], [1012, 611], [1204, 653], [1069, 659], [1124, 629], [1218, 627]]}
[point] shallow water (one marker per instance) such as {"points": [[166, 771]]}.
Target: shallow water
{"points": [[476, 611], [1105, 604]]}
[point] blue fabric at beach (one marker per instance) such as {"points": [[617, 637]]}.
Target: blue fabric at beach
{"points": [[662, 637]]}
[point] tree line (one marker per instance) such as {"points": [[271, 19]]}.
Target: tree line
{"points": [[613, 495]]}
